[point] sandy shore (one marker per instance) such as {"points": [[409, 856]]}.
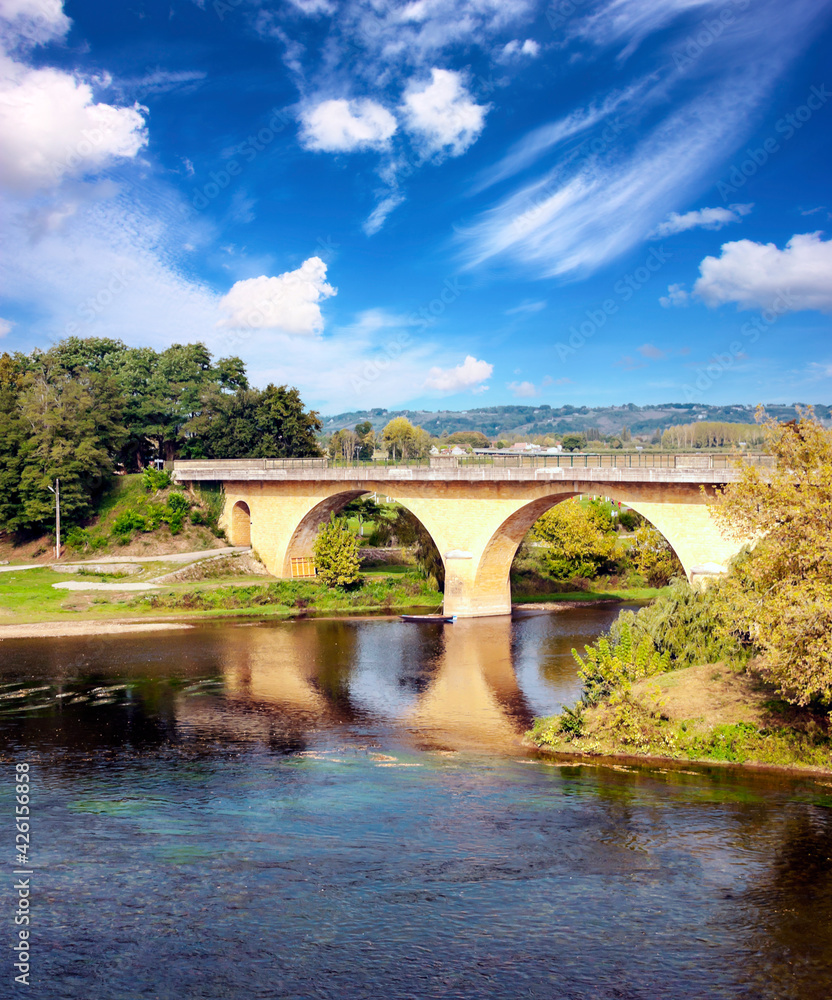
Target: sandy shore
{"points": [[564, 605], [52, 630]]}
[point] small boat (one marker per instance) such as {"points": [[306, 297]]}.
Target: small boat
{"points": [[450, 619]]}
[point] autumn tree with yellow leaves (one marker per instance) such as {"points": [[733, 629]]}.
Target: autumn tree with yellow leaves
{"points": [[781, 595]]}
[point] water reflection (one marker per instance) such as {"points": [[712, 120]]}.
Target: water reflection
{"points": [[342, 809]]}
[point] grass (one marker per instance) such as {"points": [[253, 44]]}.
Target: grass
{"points": [[27, 596], [290, 596]]}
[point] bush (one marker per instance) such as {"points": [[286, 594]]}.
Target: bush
{"points": [[179, 503], [691, 625], [128, 522], [154, 480], [615, 662], [630, 520], [336, 554], [77, 538], [654, 559]]}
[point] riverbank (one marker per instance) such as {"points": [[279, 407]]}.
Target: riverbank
{"points": [[162, 589], [709, 714], [227, 583]]}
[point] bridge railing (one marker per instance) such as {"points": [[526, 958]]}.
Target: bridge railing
{"points": [[580, 460], [569, 460], [255, 464]]}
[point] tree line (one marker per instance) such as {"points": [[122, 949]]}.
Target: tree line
{"points": [[85, 410], [711, 434]]}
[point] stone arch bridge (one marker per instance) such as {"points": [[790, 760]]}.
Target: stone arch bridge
{"points": [[477, 514]]}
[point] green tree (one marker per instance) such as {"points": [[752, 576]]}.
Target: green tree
{"points": [[573, 442], [12, 437], [288, 430], [577, 542], [782, 595], [471, 439], [73, 429], [366, 440], [336, 554], [403, 440], [653, 557]]}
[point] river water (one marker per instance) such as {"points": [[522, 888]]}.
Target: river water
{"points": [[342, 809]]}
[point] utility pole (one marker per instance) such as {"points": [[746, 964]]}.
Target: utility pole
{"points": [[57, 492]]}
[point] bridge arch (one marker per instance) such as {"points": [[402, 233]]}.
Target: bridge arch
{"points": [[240, 527], [492, 577], [302, 539]]}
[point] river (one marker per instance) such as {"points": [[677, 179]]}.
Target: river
{"points": [[342, 809]]}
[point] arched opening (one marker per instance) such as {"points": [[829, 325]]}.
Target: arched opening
{"points": [[494, 570], [240, 524], [300, 550]]}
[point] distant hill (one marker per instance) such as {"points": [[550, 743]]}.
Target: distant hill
{"points": [[503, 420]]}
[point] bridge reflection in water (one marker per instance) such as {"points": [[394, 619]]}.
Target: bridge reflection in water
{"points": [[472, 684]]}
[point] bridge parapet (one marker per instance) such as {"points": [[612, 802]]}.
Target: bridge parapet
{"points": [[254, 471]]}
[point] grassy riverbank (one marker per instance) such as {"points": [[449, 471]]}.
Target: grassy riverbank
{"points": [[29, 595], [703, 713], [679, 680]]}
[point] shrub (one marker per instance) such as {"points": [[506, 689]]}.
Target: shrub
{"points": [[614, 662], [630, 520], [654, 558], [692, 625], [336, 554], [154, 480], [179, 503], [77, 538], [128, 522]]}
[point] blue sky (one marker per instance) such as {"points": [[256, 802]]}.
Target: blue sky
{"points": [[437, 203]]}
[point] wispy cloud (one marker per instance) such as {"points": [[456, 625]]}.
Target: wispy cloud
{"points": [[579, 215], [702, 218], [526, 307], [651, 352]]}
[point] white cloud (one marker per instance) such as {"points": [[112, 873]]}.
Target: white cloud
{"points": [[515, 49], [755, 275], [289, 302], [469, 375], [522, 390], [702, 218], [676, 296], [106, 268], [378, 216], [442, 115], [32, 21], [50, 128], [313, 7], [340, 126], [5, 327]]}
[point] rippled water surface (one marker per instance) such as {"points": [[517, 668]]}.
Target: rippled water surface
{"points": [[342, 809]]}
